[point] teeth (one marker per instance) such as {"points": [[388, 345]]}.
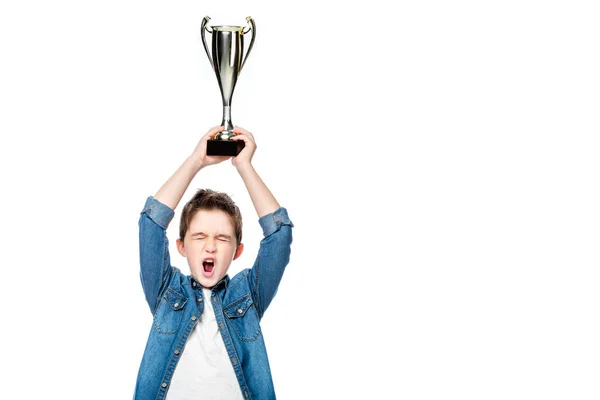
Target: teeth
{"points": [[209, 261]]}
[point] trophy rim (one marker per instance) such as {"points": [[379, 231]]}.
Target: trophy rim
{"points": [[227, 28]]}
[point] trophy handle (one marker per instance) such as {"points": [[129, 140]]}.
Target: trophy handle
{"points": [[204, 27], [252, 28]]}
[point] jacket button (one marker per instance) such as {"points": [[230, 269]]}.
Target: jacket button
{"points": [[176, 305], [194, 318], [199, 300], [176, 352], [194, 284], [239, 310], [164, 384]]}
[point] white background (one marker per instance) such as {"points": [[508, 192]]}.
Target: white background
{"points": [[439, 160]]}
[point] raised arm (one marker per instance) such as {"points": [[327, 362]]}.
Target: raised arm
{"points": [[172, 191], [262, 198], [274, 253], [155, 268]]}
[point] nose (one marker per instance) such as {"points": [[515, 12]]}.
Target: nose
{"points": [[210, 245]]}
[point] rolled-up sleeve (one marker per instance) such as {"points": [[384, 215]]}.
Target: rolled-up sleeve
{"points": [[158, 212], [155, 264], [271, 223], [273, 257]]}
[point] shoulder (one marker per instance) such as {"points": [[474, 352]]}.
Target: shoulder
{"points": [[238, 286], [179, 281]]}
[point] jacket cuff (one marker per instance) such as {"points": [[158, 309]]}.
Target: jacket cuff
{"points": [[158, 212], [272, 222]]}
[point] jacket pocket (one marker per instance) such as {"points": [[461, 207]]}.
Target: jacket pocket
{"points": [[242, 316], [169, 312]]}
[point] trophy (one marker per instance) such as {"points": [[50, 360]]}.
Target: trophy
{"points": [[227, 61]]}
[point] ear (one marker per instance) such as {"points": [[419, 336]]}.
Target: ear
{"points": [[181, 248], [238, 251]]}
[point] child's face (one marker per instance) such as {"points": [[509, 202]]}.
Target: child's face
{"points": [[209, 246]]}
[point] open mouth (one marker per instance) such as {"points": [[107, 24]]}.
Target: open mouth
{"points": [[208, 267]]}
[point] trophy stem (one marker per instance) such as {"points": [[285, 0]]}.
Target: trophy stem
{"points": [[227, 124]]}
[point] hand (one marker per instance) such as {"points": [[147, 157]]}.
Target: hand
{"points": [[245, 156], [199, 154]]}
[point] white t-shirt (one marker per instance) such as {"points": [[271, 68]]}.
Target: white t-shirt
{"points": [[204, 371]]}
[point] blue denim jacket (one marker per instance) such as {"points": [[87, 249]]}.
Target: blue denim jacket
{"points": [[176, 302]]}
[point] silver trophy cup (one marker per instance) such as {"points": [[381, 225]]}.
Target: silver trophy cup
{"points": [[227, 60]]}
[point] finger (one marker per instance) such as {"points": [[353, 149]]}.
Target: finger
{"points": [[211, 132], [243, 137], [239, 130]]}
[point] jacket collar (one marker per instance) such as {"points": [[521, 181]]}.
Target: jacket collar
{"points": [[222, 284]]}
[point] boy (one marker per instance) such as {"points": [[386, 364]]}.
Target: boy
{"points": [[206, 342]]}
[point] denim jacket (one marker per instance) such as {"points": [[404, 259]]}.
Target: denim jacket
{"points": [[176, 302]]}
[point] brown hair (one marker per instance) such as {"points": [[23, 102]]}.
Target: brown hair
{"points": [[207, 199]]}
